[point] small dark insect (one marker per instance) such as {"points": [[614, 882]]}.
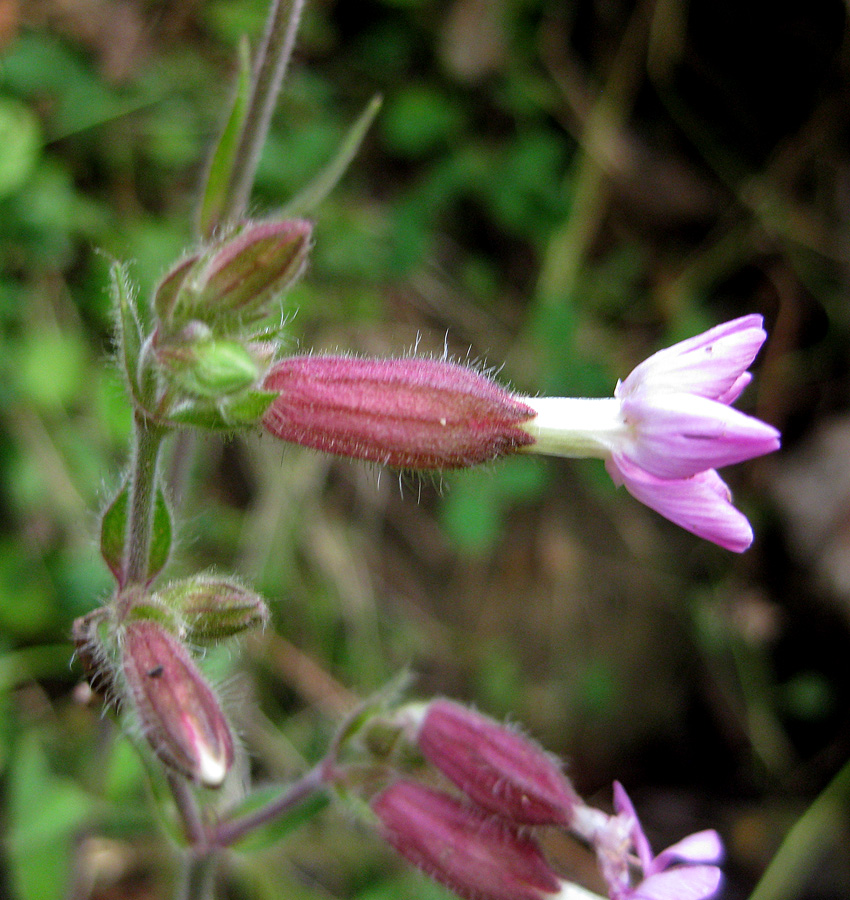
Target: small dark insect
{"points": [[155, 672]]}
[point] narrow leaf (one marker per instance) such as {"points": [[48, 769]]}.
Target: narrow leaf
{"points": [[221, 165], [129, 329], [113, 527], [161, 537], [326, 180]]}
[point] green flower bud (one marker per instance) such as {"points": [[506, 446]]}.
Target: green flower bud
{"points": [[206, 367], [212, 609]]}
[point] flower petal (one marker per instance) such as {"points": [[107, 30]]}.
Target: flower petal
{"points": [[701, 504], [702, 847], [677, 435], [708, 364], [681, 883], [624, 807]]}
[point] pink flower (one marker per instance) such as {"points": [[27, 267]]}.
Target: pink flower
{"points": [[663, 434], [684, 871], [669, 426], [676, 405]]}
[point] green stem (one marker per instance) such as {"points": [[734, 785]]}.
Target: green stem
{"points": [[198, 877], [269, 70], [147, 440], [798, 854]]}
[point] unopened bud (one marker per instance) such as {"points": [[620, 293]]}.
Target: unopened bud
{"points": [[168, 290], [206, 367], [406, 413], [179, 714], [234, 281], [474, 854], [501, 770], [212, 609]]}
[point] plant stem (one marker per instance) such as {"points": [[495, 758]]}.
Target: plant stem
{"points": [[800, 850], [198, 877], [270, 67], [147, 440], [193, 825], [313, 781]]}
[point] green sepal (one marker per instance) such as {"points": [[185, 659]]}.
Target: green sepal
{"points": [[237, 412], [167, 292], [221, 164], [153, 611], [113, 529], [309, 197]]}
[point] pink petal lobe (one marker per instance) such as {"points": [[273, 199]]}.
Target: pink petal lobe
{"points": [[678, 435], [700, 504], [707, 365], [681, 883], [702, 847]]}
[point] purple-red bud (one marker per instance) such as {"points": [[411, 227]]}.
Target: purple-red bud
{"points": [[179, 714], [500, 770], [474, 854], [406, 413], [233, 281]]}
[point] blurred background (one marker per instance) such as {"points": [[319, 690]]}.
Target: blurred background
{"points": [[554, 189]]}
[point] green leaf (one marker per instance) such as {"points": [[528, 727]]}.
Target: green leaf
{"points": [[326, 180], [113, 528], [45, 813], [206, 418], [21, 141], [129, 329], [161, 537], [221, 164], [249, 408]]}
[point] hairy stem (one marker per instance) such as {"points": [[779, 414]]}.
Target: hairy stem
{"points": [[270, 68], [147, 440]]}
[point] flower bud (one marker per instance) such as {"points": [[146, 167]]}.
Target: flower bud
{"points": [[499, 769], [474, 854], [168, 290], [205, 367], [407, 413], [178, 712], [212, 609], [234, 281]]}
